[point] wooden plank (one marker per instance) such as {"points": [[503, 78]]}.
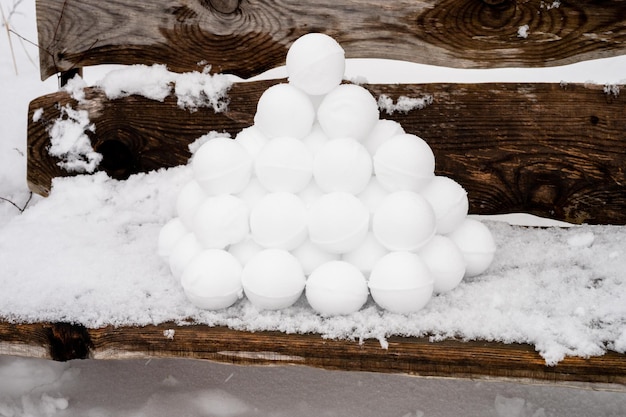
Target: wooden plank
{"points": [[248, 37], [553, 150], [412, 356]]}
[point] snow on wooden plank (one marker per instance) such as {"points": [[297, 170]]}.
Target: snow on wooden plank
{"points": [[412, 356], [246, 38], [554, 150]]}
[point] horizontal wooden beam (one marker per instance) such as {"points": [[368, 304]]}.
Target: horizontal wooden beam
{"points": [[412, 356], [553, 150], [248, 37]]}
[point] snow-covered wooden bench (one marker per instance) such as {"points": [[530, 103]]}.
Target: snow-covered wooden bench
{"points": [[552, 150]]}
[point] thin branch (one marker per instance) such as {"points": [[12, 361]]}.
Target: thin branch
{"points": [[21, 209], [6, 25]]}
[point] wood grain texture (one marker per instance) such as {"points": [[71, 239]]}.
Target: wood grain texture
{"points": [[553, 150], [412, 356], [248, 37]]}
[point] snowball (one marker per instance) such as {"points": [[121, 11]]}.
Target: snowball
{"points": [[245, 250], [273, 279], [365, 256], [169, 235], [315, 63], [477, 245], [445, 262], [316, 139], [342, 165], [311, 194], [212, 280], [190, 197], [183, 252], [383, 130], [311, 256], [284, 164], [279, 220], [252, 139], [221, 220], [253, 192], [404, 162], [222, 166], [401, 282], [336, 288], [348, 111], [338, 222], [373, 194], [404, 221], [284, 110], [449, 201]]}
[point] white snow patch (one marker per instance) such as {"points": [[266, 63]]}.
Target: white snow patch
{"points": [[75, 87], [192, 89], [70, 143], [581, 239], [37, 115], [404, 104], [522, 31], [196, 144]]}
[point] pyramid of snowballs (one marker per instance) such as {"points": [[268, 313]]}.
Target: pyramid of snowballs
{"points": [[321, 196]]}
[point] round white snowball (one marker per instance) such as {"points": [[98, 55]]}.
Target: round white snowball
{"points": [[189, 199], [311, 194], [342, 165], [253, 192], [365, 256], [404, 221], [169, 235], [348, 111], [221, 221], [273, 279], [316, 139], [338, 222], [222, 166], [404, 162], [477, 245], [449, 201], [245, 250], [279, 220], [336, 288], [311, 256], [252, 139], [445, 262], [284, 110], [183, 252], [284, 164], [383, 130], [373, 194], [315, 63], [401, 283], [212, 280]]}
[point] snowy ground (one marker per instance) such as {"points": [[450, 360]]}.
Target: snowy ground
{"points": [[128, 216]]}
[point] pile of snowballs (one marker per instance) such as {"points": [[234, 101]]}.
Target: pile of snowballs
{"points": [[321, 195]]}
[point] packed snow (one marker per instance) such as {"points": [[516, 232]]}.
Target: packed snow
{"points": [[89, 254]]}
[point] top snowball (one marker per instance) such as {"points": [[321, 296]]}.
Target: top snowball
{"points": [[315, 63]]}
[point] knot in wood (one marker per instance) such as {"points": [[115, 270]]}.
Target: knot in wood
{"points": [[222, 6]]}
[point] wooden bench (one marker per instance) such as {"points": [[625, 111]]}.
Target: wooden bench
{"points": [[552, 150]]}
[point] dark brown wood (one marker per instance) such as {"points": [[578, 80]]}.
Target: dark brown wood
{"points": [[413, 356], [248, 37], [553, 150]]}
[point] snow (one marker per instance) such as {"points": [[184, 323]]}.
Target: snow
{"points": [[561, 290]]}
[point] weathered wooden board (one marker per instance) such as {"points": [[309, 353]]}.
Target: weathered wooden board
{"points": [[248, 37], [413, 356], [553, 150]]}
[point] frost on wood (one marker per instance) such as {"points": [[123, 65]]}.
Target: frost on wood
{"points": [[522, 31], [70, 143], [404, 104]]}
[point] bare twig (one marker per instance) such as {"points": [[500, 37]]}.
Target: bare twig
{"points": [[6, 25], [21, 209]]}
